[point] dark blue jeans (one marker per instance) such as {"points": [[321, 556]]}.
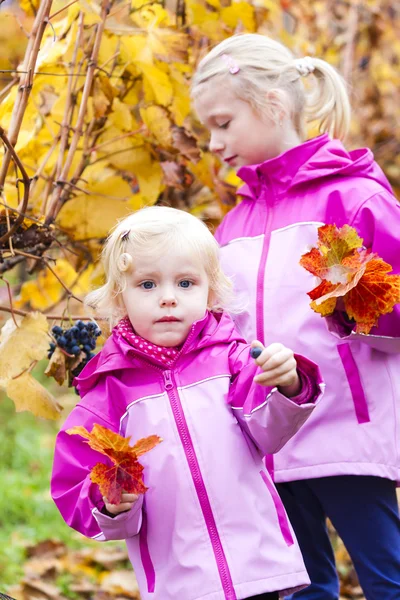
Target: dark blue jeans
{"points": [[365, 513]]}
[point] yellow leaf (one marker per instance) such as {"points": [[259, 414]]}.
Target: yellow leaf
{"points": [[47, 290], [10, 194], [239, 12], [157, 122], [181, 103], [91, 9], [23, 345], [159, 83], [119, 150], [149, 175], [57, 367], [121, 116], [204, 170], [29, 6], [85, 217], [28, 394], [135, 49]]}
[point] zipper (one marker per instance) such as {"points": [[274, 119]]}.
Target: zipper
{"points": [[269, 459], [200, 487], [260, 282]]}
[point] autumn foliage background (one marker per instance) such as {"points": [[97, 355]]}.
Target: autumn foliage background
{"points": [[96, 122]]}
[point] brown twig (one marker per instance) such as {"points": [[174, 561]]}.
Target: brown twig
{"points": [[69, 293], [23, 313], [66, 122], [116, 139], [10, 300], [59, 198], [26, 82], [7, 88], [26, 181], [62, 9]]}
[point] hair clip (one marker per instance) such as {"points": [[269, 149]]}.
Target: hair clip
{"points": [[125, 236], [232, 64], [304, 66]]}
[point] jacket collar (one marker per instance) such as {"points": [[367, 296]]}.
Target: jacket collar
{"points": [[278, 173], [118, 354]]}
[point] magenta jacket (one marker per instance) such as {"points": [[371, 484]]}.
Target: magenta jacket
{"points": [[211, 526], [356, 429]]}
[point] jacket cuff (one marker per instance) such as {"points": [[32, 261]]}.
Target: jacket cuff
{"points": [[311, 381], [122, 526]]}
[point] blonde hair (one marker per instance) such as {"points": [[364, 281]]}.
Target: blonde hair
{"points": [[256, 65], [153, 231]]}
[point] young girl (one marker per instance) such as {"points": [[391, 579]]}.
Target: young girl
{"points": [[211, 525], [344, 463]]}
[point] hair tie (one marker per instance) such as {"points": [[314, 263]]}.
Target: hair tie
{"points": [[304, 66], [232, 64]]}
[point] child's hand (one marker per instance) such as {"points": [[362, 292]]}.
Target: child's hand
{"points": [[127, 501], [280, 368]]}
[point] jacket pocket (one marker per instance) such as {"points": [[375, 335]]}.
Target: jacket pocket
{"points": [[354, 381], [280, 510], [145, 556]]}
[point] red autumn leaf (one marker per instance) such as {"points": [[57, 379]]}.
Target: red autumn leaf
{"points": [[126, 472], [326, 261], [353, 273], [375, 294]]}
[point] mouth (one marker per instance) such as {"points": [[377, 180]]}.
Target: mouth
{"points": [[230, 159], [168, 319]]}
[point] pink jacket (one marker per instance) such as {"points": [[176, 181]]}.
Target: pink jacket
{"points": [[356, 429], [211, 524]]}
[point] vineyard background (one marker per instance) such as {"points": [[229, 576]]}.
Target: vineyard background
{"points": [[95, 122]]}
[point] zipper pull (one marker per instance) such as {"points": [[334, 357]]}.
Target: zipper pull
{"points": [[168, 380]]}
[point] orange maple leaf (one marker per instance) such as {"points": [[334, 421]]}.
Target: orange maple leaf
{"points": [[375, 294], [349, 271], [126, 472]]}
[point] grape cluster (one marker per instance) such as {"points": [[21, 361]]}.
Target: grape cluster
{"points": [[82, 337]]}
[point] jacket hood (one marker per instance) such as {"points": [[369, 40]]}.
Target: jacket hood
{"points": [[117, 353], [313, 160]]}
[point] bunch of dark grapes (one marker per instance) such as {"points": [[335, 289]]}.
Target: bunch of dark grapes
{"points": [[82, 337]]}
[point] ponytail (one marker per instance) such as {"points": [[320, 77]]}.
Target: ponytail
{"points": [[328, 103]]}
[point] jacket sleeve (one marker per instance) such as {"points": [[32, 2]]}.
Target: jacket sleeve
{"points": [[266, 415], [77, 498], [378, 222]]}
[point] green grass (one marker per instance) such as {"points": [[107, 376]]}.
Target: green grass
{"points": [[27, 512]]}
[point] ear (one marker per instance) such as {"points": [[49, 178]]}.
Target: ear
{"points": [[212, 300], [279, 105]]}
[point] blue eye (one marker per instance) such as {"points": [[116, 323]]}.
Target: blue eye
{"points": [[147, 285], [185, 283]]}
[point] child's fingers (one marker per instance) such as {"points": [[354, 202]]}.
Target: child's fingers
{"points": [[115, 509], [282, 375], [274, 356], [125, 497]]}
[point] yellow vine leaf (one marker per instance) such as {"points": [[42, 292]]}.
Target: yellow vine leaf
{"points": [[46, 290], [23, 345], [239, 12], [28, 394], [85, 217], [159, 83], [121, 116], [157, 122], [29, 6]]}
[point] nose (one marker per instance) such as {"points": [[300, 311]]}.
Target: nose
{"points": [[216, 145], [168, 299]]}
